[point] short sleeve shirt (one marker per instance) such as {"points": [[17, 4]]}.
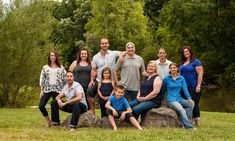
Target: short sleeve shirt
{"points": [[163, 69], [120, 104], [131, 70], [189, 73], [101, 62], [71, 93]]}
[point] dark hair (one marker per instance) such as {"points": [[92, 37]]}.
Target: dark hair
{"points": [[173, 63], [79, 56], [183, 58], [69, 72], [103, 70], [119, 87], [57, 61]]}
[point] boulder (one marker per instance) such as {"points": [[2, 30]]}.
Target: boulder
{"points": [[87, 119], [160, 117], [105, 123]]}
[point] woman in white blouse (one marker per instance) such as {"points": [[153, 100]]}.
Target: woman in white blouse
{"points": [[52, 80]]}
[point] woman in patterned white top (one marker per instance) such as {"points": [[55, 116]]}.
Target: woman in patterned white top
{"points": [[52, 80]]}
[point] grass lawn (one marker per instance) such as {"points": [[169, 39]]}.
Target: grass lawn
{"points": [[28, 124]]}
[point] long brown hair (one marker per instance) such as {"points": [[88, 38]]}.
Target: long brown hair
{"points": [[105, 69], [183, 58], [57, 61], [79, 56]]}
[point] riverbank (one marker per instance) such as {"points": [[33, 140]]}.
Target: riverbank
{"points": [[28, 124]]}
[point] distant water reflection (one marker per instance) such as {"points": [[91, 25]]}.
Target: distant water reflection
{"points": [[218, 100]]}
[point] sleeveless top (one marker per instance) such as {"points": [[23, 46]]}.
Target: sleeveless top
{"points": [[106, 90], [146, 87], [82, 75]]}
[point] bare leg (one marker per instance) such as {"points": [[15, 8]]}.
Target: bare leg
{"points": [[91, 102], [48, 121], [135, 123], [112, 122], [197, 122]]}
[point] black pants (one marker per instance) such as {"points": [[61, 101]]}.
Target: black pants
{"points": [[43, 101], [75, 108], [196, 98], [103, 110]]}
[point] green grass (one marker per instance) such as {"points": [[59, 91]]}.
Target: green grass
{"points": [[28, 124]]}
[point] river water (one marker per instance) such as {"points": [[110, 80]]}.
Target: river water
{"points": [[218, 100]]}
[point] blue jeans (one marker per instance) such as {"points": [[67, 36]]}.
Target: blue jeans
{"points": [[184, 109], [142, 107], [130, 95]]}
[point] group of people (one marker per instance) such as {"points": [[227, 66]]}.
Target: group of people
{"points": [[125, 99]]}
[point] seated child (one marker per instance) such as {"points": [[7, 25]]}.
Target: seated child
{"points": [[118, 107]]}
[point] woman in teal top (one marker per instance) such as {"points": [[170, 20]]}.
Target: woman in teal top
{"points": [[174, 83]]}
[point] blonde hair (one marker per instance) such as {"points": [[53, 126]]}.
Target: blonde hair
{"points": [[154, 63], [130, 43]]}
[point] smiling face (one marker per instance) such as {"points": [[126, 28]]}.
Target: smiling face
{"points": [[83, 55], [130, 49], [104, 44], [186, 53], [119, 93], [151, 68], [161, 54], [52, 57], [69, 77], [173, 69]]}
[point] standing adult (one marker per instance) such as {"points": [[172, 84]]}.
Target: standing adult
{"points": [[81, 69], [131, 66], [75, 104], [192, 70], [174, 83], [162, 63], [104, 58], [149, 95], [52, 80]]}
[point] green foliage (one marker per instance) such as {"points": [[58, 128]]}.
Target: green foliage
{"points": [[120, 21], [208, 26], [72, 15], [24, 41]]}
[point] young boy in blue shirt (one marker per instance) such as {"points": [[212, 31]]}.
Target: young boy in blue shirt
{"points": [[118, 107]]}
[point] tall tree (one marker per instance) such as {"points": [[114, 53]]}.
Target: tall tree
{"points": [[209, 26], [24, 41], [120, 21]]}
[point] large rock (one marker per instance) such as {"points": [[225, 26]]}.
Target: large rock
{"points": [[160, 117], [87, 119], [105, 123]]}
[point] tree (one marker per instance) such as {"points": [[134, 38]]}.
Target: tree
{"points": [[72, 16], [24, 41], [120, 21], [208, 26]]}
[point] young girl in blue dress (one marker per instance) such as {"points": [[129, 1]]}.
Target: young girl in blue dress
{"points": [[105, 89]]}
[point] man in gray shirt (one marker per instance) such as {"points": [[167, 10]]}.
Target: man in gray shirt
{"points": [[131, 66], [75, 104]]}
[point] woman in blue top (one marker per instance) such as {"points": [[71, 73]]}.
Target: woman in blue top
{"points": [[174, 83], [192, 71]]}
